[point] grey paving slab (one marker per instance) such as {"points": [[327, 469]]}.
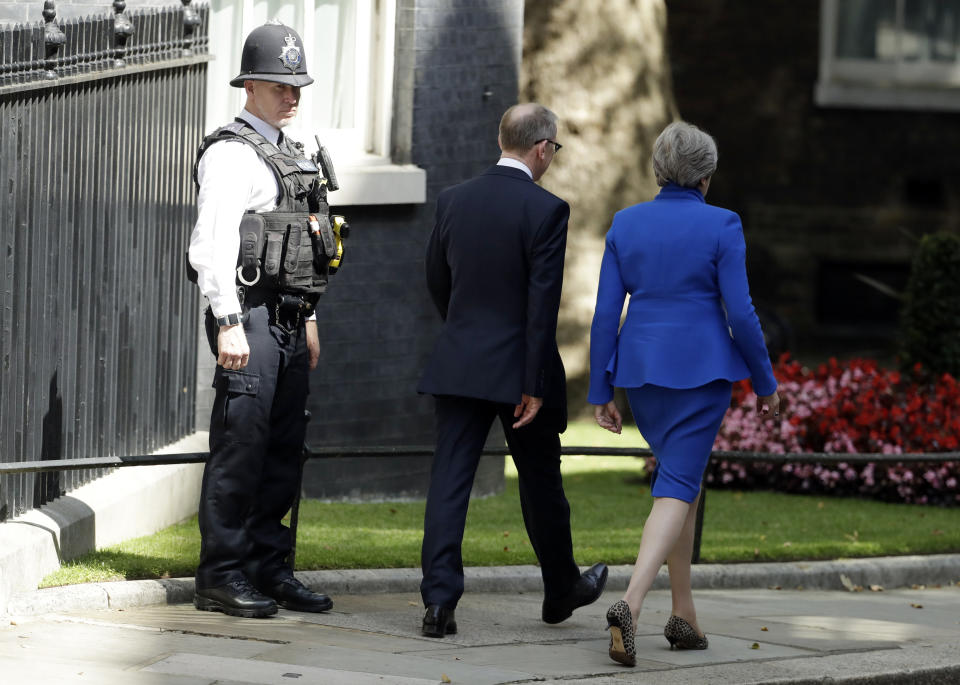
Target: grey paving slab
{"points": [[284, 628], [539, 660], [855, 638], [431, 666], [65, 640], [721, 648], [928, 665], [898, 615], [483, 619], [225, 669], [56, 674]]}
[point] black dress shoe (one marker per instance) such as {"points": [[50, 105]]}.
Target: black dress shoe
{"points": [[585, 591], [438, 621], [291, 594], [238, 598]]}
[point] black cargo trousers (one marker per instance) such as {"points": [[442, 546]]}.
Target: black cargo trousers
{"points": [[257, 430]]}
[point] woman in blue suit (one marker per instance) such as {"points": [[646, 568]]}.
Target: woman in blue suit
{"points": [[690, 331]]}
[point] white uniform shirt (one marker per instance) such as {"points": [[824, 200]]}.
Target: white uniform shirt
{"points": [[233, 179]]}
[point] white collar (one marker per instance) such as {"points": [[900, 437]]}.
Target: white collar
{"points": [[515, 164], [268, 131]]}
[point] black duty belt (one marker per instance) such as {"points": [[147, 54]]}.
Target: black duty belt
{"points": [[285, 310]]}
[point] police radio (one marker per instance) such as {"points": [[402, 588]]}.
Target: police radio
{"points": [[341, 229], [322, 160]]}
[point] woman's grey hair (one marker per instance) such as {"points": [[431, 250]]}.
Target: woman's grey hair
{"points": [[683, 154], [523, 125]]}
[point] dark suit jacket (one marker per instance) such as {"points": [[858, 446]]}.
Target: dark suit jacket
{"points": [[494, 267]]}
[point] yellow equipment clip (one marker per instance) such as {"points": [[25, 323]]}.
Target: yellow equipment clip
{"points": [[341, 229]]}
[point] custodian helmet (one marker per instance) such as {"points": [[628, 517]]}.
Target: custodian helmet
{"points": [[273, 52]]}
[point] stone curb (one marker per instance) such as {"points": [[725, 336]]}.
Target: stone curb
{"points": [[888, 572]]}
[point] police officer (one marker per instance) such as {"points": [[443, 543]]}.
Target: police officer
{"points": [[261, 250]]}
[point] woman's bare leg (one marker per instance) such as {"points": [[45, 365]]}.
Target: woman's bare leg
{"points": [[678, 563], [661, 532]]}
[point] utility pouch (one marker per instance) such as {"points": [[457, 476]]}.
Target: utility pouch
{"points": [[278, 251], [273, 253], [316, 242], [251, 242], [288, 255], [294, 234], [327, 237]]}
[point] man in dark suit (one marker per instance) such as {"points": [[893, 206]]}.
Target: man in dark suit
{"points": [[494, 267]]}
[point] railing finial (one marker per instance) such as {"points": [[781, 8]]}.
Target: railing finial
{"points": [[122, 30], [191, 19], [53, 38]]}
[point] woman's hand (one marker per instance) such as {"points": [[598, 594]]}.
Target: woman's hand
{"points": [[608, 416], [768, 404]]}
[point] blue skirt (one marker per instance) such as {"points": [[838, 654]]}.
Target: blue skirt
{"points": [[680, 426]]}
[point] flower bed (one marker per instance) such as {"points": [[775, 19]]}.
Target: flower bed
{"points": [[839, 407]]}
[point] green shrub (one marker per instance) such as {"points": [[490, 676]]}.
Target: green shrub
{"points": [[930, 319]]}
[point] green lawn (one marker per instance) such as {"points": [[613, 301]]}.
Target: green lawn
{"points": [[609, 504]]}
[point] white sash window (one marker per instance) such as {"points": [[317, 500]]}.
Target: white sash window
{"points": [[890, 53], [349, 46]]}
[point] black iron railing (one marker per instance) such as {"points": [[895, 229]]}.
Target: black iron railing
{"points": [[99, 121], [406, 451]]}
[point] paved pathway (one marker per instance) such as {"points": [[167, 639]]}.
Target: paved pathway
{"points": [[756, 636]]}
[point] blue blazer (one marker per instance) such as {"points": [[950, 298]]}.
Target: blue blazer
{"points": [[690, 319], [494, 266]]}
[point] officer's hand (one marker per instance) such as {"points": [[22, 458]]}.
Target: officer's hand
{"points": [[232, 348], [313, 344], [527, 409]]}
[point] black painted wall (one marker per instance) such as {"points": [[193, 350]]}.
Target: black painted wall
{"points": [[457, 70]]}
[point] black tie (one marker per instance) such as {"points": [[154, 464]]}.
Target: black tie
{"points": [[282, 144]]}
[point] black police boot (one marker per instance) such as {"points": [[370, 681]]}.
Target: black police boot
{"points": [[238, 598], [291, 594]]}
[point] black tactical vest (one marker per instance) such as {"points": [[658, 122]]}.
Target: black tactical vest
{"points": [[286, 250]]}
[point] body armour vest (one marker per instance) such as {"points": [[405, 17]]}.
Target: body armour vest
{"points": [[286, 250]]}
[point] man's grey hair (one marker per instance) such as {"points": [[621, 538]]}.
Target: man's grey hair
{"points": [[683, 154], [523, 125]]}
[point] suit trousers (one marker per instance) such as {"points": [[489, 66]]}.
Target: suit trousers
{"points": [[256, 440], [462, 427]]}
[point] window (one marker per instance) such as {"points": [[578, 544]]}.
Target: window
{"points": [[901, 54], [349, 47]]}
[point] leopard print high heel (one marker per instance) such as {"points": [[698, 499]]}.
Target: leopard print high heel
{"points": [[681, 635], [623, 649]]}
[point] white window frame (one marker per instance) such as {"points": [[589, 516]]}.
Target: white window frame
{"points": [[865, 83], [361, 154]]}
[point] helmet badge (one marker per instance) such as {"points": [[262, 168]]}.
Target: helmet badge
{"points": [[290, 55]]}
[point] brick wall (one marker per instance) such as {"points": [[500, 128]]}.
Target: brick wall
{"points": [[824, 192], [378, 321]]}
